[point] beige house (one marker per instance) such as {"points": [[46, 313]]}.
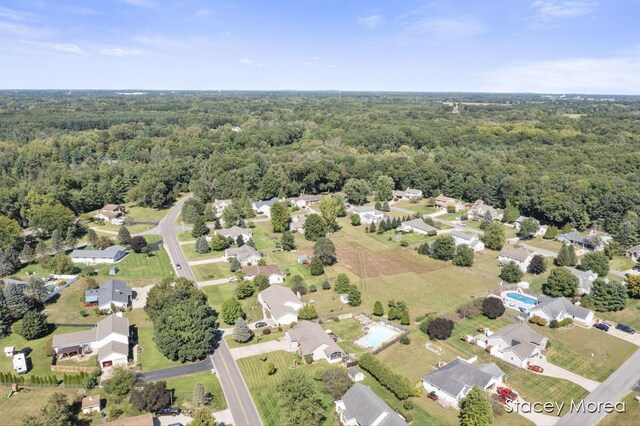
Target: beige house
{"points": [[517, 344], [443, 202], [281, 303], [111, 213], [309, 338], [246, 255], [521, 257]]}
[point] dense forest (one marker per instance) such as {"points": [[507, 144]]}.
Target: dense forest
{"points": [[559, 160]]}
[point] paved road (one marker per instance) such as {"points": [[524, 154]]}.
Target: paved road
{"points": [[235, 390], [612, 390], [180, 370]]}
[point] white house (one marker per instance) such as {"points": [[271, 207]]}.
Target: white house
{"points": [[111, 213], [360, 406], [453, 381], [559, 309], [93, 257], [479, 211], [110, 337], [297, 224], [234, 232], [281, 303], [264, 207], [471, 240], [521, 257], [245, 255], [540, 232], [410, 194], [585, 279], [517, 344], [417, 226], [305, 200], [444, 202], [309, 338], [20, 363], [9, 351], [220, 205], [112, 292], [369, 215], [272, 272], [91, 404]]}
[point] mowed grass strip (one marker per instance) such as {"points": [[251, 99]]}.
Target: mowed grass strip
{"points": [[538, 388], [29, 401], [212, 271]]}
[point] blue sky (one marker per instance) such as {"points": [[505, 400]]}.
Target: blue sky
{"points": [[558, 46]]}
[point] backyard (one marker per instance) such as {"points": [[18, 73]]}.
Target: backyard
{"points": [[212, 271], [217, 294], [183, 387], [29, 401]]}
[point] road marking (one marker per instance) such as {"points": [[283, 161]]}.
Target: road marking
{"points": [[235, 389]]}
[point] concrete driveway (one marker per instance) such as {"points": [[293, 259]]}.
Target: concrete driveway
{"points": [[169, 420], [141, 296], [553, 370], [259, 349], [205, 261], [631, 338]]}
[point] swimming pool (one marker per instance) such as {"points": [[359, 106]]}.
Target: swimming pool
{"points": [[376, 335], [522, 298]]}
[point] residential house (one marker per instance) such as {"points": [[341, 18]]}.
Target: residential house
{"points": [[355, 374], [540, 232], [418, 226], [444, 202], [281, 303], [517, 344], [521, 257], [369, 215], [310, 339], [561, 308], [220, 205], [22, 285], [633, 253], [479, 211], [110, 293], [92, 257], [587, 243], [360, 406], [111, 213], [142, 420], [585, 279], [453, 381], [246, 255], [20, 363], [91, 404], [297, 223], [471, 240], [305, 200], [234, 232], [410, 194], [272, 272], [598, 234], [110, 337], [264, 207]]}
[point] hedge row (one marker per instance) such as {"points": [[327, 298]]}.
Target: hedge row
{"points": [[52, 380], [397, 384]]}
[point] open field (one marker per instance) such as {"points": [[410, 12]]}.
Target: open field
{"points": [[420, 207], [145, 214], [263, 238], [109, 227], [212, 271], [67, 306], [587, 352], [29, 401], [551, 245], [217, 294], [139, 269], [183, 389]]}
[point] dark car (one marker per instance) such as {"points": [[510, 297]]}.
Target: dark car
{"points": [[601, 326], [625, 328], [261, 324], [178, 266], [637, 267], [168, 411]]}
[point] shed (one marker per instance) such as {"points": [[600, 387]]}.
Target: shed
{"points": [[114, 270], [20, 363], [302, 259], [90, 404], [355, 374], [9, 350]]}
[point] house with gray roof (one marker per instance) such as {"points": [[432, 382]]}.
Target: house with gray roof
{"points": [[112, 292], [234, 232], [245, 255], [561, 308], [220, 205], [453, 381], [309, 338], [521, 257], [305, 200], [585, 279], [264, 207], [360, 406], [582, 241], [633, 253], [411, 194], [297, 223], [479, 211], [369, 215], [281, 303], [417, 226], [111, 254], [110, 337], [517, 344], [464, 239]]}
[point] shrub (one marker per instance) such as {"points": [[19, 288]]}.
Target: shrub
{"points": [[440, 328], [395, 383], [313, 288], [536, 319], [405, 340], [308, 359], [492, 307], [408, 405], [266, 331], [326, 285]]}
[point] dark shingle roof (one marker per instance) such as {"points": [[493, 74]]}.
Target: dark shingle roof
{"points": [[458, 376], [362, 404]]}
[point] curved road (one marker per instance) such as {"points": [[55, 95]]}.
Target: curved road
{"points": [[235, 390]]}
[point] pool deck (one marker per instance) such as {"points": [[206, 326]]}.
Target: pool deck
{"points": [[361, 341], [516, 304]]}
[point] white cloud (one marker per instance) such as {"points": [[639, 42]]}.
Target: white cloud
{"points": [[120, 52], [371, 21], [553, 9], [15, 15], [252, 62], [446, 28], [21, 30], [612, 75], [69, 48], [141, 3], [82, 11]]}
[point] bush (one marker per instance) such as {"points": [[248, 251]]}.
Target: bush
{"points": [[408, 405], [395, 383], [266, 332], [538, 320], [405, 340], [308, 359], [326, 285], [492, 307], [440, 328], [313, 288]]}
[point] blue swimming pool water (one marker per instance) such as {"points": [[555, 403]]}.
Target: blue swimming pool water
{"points": [[522, 298], [376, 335]]}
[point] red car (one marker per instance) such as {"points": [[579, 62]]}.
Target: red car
{"points": [[507, 394], [535, 368], [433, 396]]}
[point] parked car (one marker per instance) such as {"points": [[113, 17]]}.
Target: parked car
{"points": [[637, 267], [535, 368], [168, 411], [601, 326], [261, 324], [507, 394], [178, 266], [625, 328], [433, 396]]}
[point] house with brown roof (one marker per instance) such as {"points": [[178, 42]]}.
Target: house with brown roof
{"points": [[309, 338], [480, 210], [111, 213], [142, 420], [521, 257], [220, 205], [305, 200], [272, 272], [281, 303], [443, 202], [91, 404]]}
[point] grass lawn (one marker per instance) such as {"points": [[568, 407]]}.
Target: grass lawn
{"points": [[183, 389], [217, 294], [31, 270], [263, 238], [146, 214], [621, 263], [420, 207], [212, 271], [133, 229], [139, 270], [450, 216], [535, 387], [470, 326], [41, 364], [29, 401], [190, 252], [629, 418], [551, 245], [185, 236], [258, 338], [572, 349], [65, 308], [347, 331], [629, 315]]}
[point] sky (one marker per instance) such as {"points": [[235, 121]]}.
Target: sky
{"points": [[543, 46]]}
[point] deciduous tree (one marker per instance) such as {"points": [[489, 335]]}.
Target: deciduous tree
{"points": [[494, 237], [511, 272], [231, 310], [560, 283]]}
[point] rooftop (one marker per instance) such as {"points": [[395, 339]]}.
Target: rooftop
{"points": [[459, 376], [362, 404], [310, 336]]}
